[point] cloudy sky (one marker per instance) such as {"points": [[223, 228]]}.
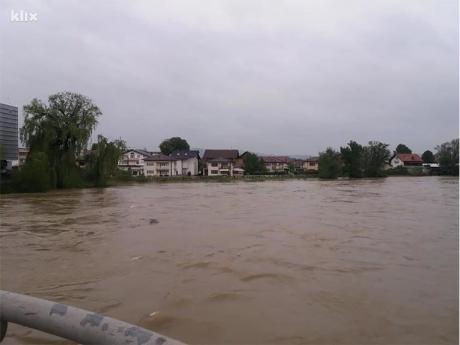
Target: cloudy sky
{"points": [[279, 76]]}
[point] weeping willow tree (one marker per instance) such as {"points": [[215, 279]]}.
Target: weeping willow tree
{"points": [[58, 132], [103, 160]]}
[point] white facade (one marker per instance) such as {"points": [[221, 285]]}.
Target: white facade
{"points": [[133, 160], [396, 162], [220, 168], [158, 168], [186, 167]]}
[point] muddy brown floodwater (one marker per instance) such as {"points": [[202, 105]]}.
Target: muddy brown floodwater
{"points": [[285, 262]]}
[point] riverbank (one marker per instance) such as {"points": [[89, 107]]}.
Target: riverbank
{"points": [[7, 187]]}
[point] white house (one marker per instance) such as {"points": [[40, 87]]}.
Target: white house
{"points": [[405, 159], [220, 166], [185, 162], [221, 163], [133, 160], [158, 165]]}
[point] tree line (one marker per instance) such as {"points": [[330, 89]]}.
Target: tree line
{"points": [[357, 161], [57, 134]]}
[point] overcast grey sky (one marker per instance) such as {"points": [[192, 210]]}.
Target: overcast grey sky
{"points": [[282, 77]]}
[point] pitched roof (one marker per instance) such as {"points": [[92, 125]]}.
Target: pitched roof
{"points": [[159, 157], [228, 154], [142, 152], [312, 159], [185, 154], [409, 157], [275, 159]]}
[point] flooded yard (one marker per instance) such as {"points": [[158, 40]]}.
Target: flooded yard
{"points": [[281, 262]]}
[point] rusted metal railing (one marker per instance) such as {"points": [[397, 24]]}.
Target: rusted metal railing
{"points": [[81, 326]]}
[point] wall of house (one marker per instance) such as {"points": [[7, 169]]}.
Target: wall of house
{"points": [[310, 166], [183, 167], [158, 168], [214, 168], [274, 167], [396, 162], [132, 161]]}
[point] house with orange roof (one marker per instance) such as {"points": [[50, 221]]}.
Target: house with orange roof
{"points": [[405, 160]]}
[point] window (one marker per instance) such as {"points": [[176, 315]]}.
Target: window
{"points": [[131, 155], [214, 172], [214, 164]]}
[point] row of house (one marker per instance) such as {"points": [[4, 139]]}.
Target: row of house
{"points": [[213, 163], [228, 163], [222, 162], [146, 163]]}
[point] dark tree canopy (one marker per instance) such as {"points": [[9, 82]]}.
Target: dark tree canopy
{"points": [[428, 157], [401, 148], [447, 156], [172, 144], [253, 164], [375, 155], [103, 159], [60, 130], [330, 165], [352, 157]]}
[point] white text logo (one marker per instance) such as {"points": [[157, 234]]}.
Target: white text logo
{"points": [[23, 16]]}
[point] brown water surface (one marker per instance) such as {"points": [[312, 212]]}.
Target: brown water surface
{"points": [[285, 262]]}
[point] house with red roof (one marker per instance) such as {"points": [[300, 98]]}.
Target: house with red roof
{"points": [[405, 160]]}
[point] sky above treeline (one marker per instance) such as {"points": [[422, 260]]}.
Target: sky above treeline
{"points": [[269, 76]]}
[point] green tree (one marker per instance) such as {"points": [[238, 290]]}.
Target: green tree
{"points": [[352, 157], [253, 164], [103, 160], [34, 176], [447, 156], [375, 155], [60, 129], [330, 164], [172, 144], [401, 148], [428, 157]]}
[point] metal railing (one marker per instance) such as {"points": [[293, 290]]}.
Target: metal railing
{"points": [[81, 326]]}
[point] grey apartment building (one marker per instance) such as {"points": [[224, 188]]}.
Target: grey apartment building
{"points": [[8, 133]]}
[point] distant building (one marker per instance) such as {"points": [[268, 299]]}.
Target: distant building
{"points": [[311, 164], [158, 165], [8, 135], [22, 156], [133, 160], [297, 163], [276, 163], [221, 163], [185, 162], [405, 160]]}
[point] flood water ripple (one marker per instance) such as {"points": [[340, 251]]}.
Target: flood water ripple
{"points": [[280, 262]]}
